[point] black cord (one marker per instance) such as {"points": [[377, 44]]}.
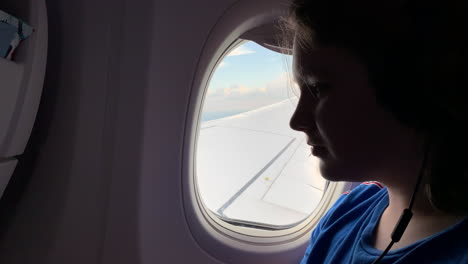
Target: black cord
{"points": [[384, 253], [421, 173], [405, 217]]}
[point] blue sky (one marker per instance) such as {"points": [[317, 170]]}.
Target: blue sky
{"points": [[249, 77]]}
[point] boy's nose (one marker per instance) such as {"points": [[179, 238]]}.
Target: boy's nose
{"points": [[299, 119]]}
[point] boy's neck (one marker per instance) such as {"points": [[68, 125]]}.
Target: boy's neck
{"points": [[425, 222]]}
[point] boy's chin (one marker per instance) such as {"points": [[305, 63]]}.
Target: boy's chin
{"points": [[337, 172]]}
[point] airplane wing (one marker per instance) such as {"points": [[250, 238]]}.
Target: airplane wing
{"points": [[253, 168]]}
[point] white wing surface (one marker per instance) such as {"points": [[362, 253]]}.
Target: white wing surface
{"points": [[253, 168]]}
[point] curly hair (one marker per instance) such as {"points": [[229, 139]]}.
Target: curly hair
{"points": [[416, 53]]}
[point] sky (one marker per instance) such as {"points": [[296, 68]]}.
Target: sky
{"points": [[249, 77]]}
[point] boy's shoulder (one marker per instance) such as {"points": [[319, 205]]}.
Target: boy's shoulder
{"points": [[356, 200], [362, 192]]}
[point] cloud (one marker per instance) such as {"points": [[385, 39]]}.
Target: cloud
{"points": [[281, 87], [222, 65], [237, 104], [227, 92], [241, 50], [212, 94], [244, 90], [242, 98], [233, 92]]}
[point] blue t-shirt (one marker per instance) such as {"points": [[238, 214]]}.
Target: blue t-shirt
{"points": [[344, 234]]}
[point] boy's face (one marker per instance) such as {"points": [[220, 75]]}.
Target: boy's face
{"points": [[354, 137]]}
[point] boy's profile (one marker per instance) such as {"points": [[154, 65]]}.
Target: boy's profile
{"points": [[383, 99]]}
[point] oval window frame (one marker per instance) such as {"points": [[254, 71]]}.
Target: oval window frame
{"points": [[217, 237]]}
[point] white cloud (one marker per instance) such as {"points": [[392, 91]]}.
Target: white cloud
{"points": [[281, 87], [234, 92], [243, 98], [244, 90], [222, 65], [227, 92], [212, 93], [241, 50], [239, 104]]}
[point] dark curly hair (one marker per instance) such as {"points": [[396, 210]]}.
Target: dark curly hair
{"points": [[416, 53]]}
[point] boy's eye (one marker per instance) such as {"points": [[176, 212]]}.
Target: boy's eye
{"points": [[318, 89]]}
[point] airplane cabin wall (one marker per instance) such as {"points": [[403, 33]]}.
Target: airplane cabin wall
{"points": [[61, 215], [106, 187]]}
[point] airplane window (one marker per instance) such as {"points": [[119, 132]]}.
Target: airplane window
{"points": [[252, 169]]}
